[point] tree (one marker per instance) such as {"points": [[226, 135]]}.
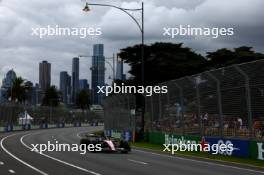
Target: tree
{"points": [[163, 62], [225, 57], [19, 90], [52, 97], [168, 61], [83, 99]]}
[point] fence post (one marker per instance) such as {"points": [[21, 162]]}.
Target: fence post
{"points": [[181, 103], [219, 101], [152, 112], [129, 114], [248, 98], [198, 104], [160, 107], [168, 97]]}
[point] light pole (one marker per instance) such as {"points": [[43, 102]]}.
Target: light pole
{"points": [[111, 66], [92, 68], [141, 28]]}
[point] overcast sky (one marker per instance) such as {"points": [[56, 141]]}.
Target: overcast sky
{"points": [[23, 52]]}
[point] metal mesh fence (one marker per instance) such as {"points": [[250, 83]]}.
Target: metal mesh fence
{"points": [[118, 114], [14, 114], [226, 102]]}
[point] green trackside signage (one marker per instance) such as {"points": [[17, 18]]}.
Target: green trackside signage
{"points": [[156, 138], [257, 150], [162, 138], [176, 139]]}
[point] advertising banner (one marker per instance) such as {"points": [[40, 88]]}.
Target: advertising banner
{"points": [[175, 139], [156, 138], [116, 134], [127, 135], [257, 150], [108, 133], [240, 147]]}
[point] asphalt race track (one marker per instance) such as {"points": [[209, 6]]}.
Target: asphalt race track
{"points": [[17, 158]]}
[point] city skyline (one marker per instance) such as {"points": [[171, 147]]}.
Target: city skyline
{"points": [[118, 31]]}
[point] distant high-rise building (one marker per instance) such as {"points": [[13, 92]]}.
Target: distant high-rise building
{"points": [[37, 95], [119, 69], [98, 72], [7, 83], [75, 78], [65, 86], [124, 77], [44, 75], [83, 84], [8, 80], [30, 94]]}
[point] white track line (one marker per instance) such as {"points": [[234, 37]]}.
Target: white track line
{"points": [[202, 162], [58, 160], [79, 134], [2, 163], [136, 161], [21, 161], [11, 171]]}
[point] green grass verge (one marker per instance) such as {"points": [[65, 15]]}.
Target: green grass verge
{"points": [[249, 162]]}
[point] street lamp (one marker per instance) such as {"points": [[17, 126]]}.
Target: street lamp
{"points": [[111, 66], [141, 28]]}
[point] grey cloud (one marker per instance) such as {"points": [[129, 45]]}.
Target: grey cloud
{"points": [[21, 51]]}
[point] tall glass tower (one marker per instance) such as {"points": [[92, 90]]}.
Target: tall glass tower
{"points": [[98, 72], [75, 78]]}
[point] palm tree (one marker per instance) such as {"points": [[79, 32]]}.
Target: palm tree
{"points": [[19, 90], [83, 99], [52, 97]]}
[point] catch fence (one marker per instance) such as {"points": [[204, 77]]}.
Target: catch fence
{"points": [[226, 102]]}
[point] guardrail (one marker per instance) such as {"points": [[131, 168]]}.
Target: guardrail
{"points": [[10, 127]]}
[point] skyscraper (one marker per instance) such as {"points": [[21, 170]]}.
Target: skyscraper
{"points": [[98, 72], [65, 86], [8, 80], [83, 84], [119, 69], [75, 78], [44, 75], [7, 83]]}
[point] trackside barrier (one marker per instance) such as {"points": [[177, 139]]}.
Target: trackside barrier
{"points": [[44, 126], [242, 148], [11, 127], [26, 127], [257, 150], [108, 133], [126, 135], [8, 127], [77, 124], [60, 125]]}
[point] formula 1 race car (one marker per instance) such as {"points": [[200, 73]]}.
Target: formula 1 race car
{"points": [[106, 144]]}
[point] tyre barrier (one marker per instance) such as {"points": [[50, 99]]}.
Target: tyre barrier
{"points": [[26, 127], [8, 127]]}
